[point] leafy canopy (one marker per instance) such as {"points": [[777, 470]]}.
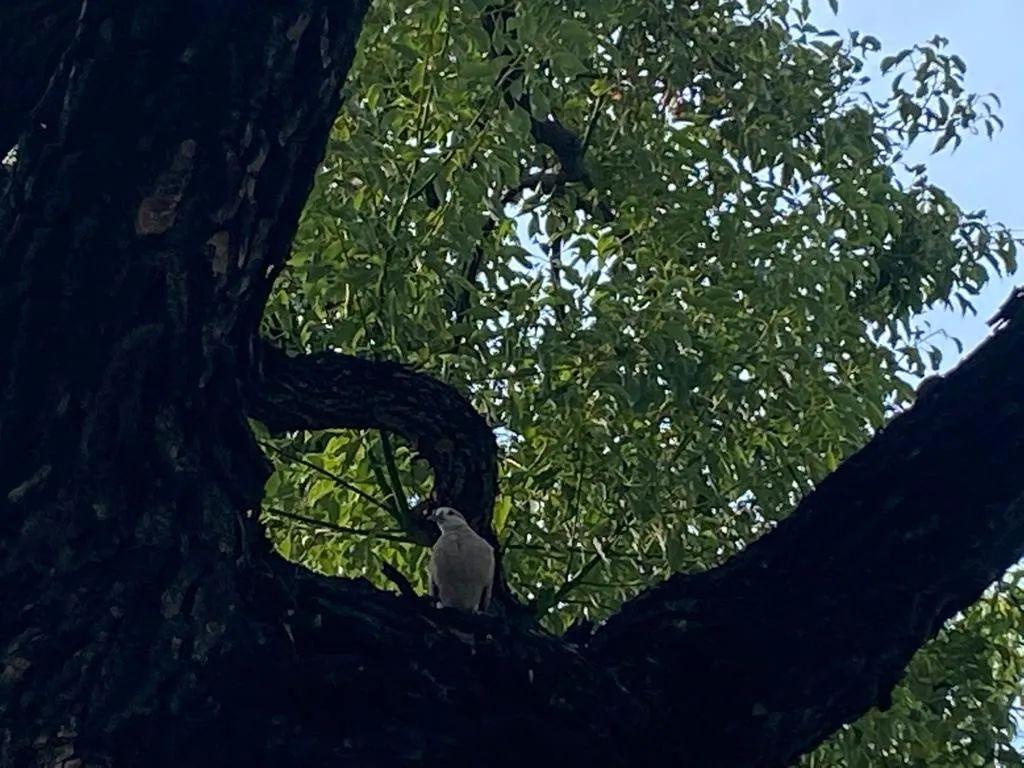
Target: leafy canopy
{"points": [[675, 253]]}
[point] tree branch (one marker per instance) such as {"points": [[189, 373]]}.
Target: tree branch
{"points": [[472, 269], [364, 660], [335, 391], [331, 390], [761, 659], [549, 131], [754, 663], [394, 480], [313, 523]]}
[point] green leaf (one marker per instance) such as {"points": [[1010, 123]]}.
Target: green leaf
{"points": [[567, 64], [501, 509]]}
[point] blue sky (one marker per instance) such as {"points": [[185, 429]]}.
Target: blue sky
{"points": [[981, 174]]}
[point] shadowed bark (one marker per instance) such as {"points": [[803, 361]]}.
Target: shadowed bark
{"points": [[147, 622], [33, 35], [153, 198]]}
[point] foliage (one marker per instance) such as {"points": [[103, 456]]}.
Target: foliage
{"points": [[675, 254]]}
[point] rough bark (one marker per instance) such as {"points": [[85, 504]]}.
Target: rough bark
{"points": [[158, 189], [145, 620], [33, 35]]}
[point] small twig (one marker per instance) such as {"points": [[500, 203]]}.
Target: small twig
{"points": [[392, 509], [570, 584], [535, 550], [396, 577], [554, 250], [396, 481], [574, 517], [326, 473], [314, 522], [588, 133], [613, 584]]}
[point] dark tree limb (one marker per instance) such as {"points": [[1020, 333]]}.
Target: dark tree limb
{"points": [[157, 186], [568, 148], [395, 576], [470, 272], [763, 658], [384, 680], [330, 390], [549, 131]]}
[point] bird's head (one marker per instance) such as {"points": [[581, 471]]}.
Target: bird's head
{"points": [[448, 519]]}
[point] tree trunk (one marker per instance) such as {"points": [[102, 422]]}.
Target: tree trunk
{"points": [[151, 204], [158, 183]]}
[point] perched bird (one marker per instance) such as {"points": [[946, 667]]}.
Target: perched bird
{"points": [[461, 566]]}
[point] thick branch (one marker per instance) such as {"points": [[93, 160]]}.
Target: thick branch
{"points": [[761, 659], [167, 164], [335, 391], [754, 663], [381, 680]]}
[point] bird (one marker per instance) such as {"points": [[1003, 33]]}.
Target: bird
{"points": [[461, 568]]}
